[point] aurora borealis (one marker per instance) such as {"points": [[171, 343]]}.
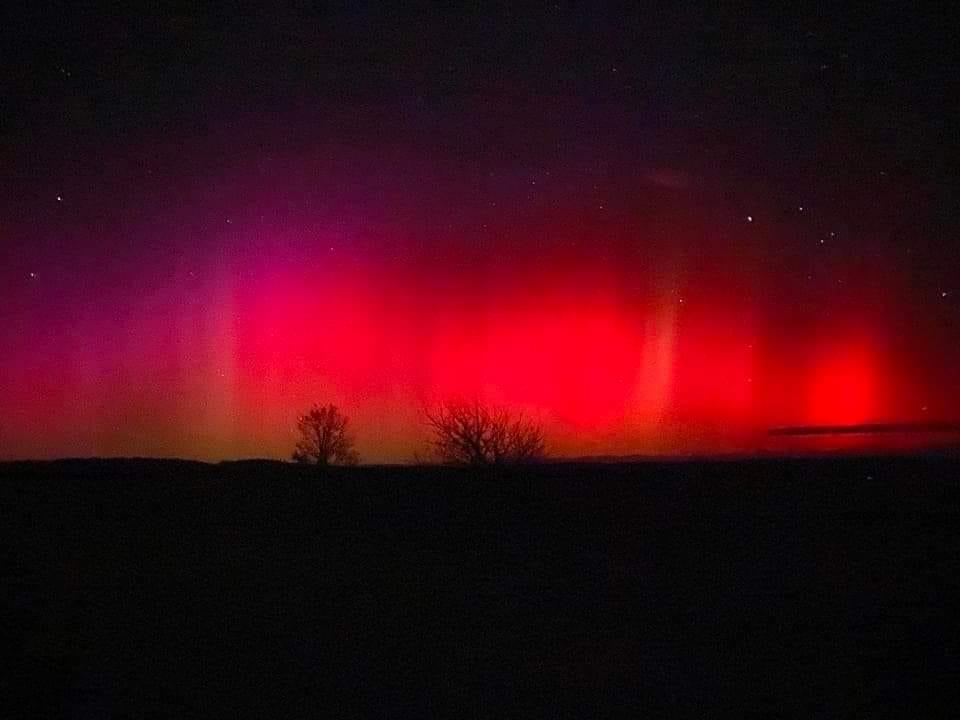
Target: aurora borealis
{"points": [[653, 243]]}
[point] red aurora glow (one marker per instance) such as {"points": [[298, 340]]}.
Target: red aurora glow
{"points": [[666, 332]]}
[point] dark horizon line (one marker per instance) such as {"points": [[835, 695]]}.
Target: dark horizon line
{"points": [[763, 454], [867, 428]]}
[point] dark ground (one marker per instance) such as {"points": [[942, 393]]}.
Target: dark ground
{"points": [[811, 588]]}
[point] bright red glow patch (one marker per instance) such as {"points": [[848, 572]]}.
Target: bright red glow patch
{"points": [[844, 388], [580, 363], [576, 363]]}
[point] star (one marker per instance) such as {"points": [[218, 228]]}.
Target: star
{"points": [[59, 198], [944, 294], [33, 275], [749, 218]]}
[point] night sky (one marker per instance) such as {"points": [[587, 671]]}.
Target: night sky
{"points": [[654, 230]]}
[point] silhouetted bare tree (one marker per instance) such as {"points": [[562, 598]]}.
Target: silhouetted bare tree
{"points": [[324, 439], [470, 433]]}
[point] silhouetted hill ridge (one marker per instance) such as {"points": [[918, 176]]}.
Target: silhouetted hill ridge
{"points": [[137, 587]]}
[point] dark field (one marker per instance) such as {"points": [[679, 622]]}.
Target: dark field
{"points": [[812, 588]]}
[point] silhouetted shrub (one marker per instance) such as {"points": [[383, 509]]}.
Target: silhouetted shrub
{"points": [[470, 433], [324, 439]]}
